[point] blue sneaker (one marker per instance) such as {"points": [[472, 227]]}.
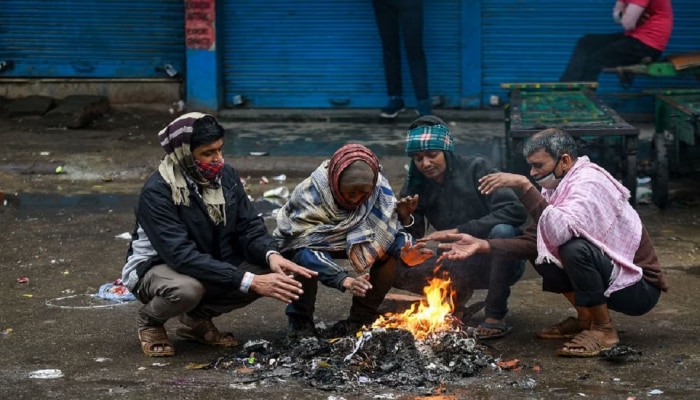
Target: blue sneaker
{"points": [[424, 107], [395, 106]]}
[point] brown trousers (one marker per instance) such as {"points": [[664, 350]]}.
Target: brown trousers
{"points": [[166, 294]]}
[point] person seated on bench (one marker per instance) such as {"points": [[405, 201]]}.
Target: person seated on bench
{"points": [[647, 29]]}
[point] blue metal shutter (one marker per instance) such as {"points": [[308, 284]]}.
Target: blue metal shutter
{"points": [[531, 41], [92, 38], [319, 53]]}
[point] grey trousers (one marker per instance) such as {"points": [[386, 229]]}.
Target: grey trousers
{"points": [[166, 294]]}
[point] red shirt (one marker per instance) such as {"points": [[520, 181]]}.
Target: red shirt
{"points": [[655, 31]]}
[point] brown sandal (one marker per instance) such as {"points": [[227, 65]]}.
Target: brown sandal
{"points": [[585, 344], [207, 329], [565, 329], [155, 338]]}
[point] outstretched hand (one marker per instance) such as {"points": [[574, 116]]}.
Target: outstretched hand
{"points": [[284, 266], [358, 286], [458, 246], [414, 255], [280, 284], [491, 182]]}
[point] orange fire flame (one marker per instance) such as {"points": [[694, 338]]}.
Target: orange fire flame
{"points": [[427, 317]]}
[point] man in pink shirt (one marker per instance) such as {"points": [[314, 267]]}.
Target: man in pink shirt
{"points": [[647, 28]]}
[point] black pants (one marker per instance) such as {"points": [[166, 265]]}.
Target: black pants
{"points": [[586, 272], [597, 51], [393, 18]]}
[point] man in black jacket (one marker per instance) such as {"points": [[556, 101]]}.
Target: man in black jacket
{"points": [[199, 248], [442, 189]]}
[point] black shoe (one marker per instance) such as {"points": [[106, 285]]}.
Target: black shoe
{"points": [[395, 106], [299, 328]]}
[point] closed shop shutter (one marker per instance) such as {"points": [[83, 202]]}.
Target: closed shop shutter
{"points": [[313, 53], [92, 38], [531, 41]]}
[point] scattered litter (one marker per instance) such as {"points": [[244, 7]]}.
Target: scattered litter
{"points": [[68, 291], [510, 364], [46, 374], [125, 236], [102, 359], [115, 292], [28, 295], [264, 181], [620, 354], [22, 279], [197, 366], [654, 392], [258, 153], [159, 364], [44, 153], [281, 192], [60, 169], [243, 386], [528, 383], [280, 178], [66, 272], [6, 332], [141, 368], [644, 191]]}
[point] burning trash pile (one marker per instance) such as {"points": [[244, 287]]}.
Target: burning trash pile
{"points": [[417, 350]]}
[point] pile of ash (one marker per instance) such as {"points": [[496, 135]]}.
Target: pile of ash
{"points": [[376, 357]]}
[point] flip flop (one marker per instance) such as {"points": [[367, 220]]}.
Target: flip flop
{"points": [[502, 327]]}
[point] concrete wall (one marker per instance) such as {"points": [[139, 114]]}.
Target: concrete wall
{"points": [[118, 91]]}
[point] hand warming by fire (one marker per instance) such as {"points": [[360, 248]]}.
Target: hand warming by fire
{"points": [[431, 315], [414, 255]]}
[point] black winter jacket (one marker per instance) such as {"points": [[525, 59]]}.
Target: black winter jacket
{"points": [[458, 203], [186, 239]]}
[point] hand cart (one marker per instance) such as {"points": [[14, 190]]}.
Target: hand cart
{"points": [[677, 133], [573, 107]]}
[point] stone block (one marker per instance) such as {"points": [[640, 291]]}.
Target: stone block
{"points": [[30, 106]]}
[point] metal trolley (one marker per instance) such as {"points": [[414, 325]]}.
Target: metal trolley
{"points": [[677, 133], [574, 107]]}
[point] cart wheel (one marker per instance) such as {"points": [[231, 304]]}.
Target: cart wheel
{"points": [[659, 181], [630, 179]]}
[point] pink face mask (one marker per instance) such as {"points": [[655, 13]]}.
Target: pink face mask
{"points": [[210, 171]]}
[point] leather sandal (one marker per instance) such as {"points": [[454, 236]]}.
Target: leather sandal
{"points": [[155, 342], [565, 329], [585, 344], [207, 333]]}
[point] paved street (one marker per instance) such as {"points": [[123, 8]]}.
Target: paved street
{"points": [[62, 232]]}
